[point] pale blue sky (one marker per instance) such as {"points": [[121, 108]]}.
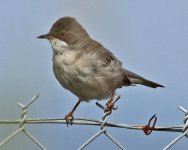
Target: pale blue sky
{"points": [[150, 37]]}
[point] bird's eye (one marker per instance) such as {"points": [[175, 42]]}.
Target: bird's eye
{"points": [[62, 33]]}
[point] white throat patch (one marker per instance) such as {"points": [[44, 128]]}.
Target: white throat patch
{"points": [[58, 45]]}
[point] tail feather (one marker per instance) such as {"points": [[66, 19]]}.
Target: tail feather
{"points": [[136, 79], [150, 84]]}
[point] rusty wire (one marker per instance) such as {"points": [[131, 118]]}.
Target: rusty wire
{"points": [[104, 123]]}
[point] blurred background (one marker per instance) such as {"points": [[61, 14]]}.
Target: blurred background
{"points": [[149, 37]]}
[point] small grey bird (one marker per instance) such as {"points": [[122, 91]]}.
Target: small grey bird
{"points": [[85, 67]]}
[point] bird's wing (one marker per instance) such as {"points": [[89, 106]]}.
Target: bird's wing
{"points": [[106, 63]]}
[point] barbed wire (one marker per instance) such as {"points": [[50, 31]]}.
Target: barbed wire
{"points": [[104, 124]]}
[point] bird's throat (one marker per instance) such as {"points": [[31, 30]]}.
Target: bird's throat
{"points": [[58, 46]]}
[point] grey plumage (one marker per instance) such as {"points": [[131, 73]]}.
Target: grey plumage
{"points": [[84, 66], [136, 79]]}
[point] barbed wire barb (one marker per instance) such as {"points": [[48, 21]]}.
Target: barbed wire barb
{"points": [[103, 124]]}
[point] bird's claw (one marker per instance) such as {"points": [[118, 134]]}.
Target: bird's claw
{"points": [[115, 108], [69, 118], [109, 106]]}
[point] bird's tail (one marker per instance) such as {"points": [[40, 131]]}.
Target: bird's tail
{"points": [[150, 84], [136, 79]]}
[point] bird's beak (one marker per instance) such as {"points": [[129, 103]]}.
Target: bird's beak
{"points": [[45, 36]]}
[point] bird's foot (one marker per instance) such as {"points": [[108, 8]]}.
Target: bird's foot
{"points": [[69, 118], [109, 106]]}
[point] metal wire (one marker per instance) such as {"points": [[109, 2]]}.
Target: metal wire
{"points": [[104, 127], [23, 125], [104, 124], [184, 129]]}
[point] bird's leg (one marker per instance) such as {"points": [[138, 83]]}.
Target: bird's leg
{"points": [[69, 117], [110, 104]]}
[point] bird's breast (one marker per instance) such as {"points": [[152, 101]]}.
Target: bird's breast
{"points": [[75, 73], [65, 68]]}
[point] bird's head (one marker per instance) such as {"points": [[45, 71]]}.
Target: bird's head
{"points": [[66, 29]]}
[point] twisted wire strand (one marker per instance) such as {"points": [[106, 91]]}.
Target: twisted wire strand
{"points": [[103, 124]]}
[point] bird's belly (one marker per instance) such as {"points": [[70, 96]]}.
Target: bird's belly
{"points": [[85, 86]]}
